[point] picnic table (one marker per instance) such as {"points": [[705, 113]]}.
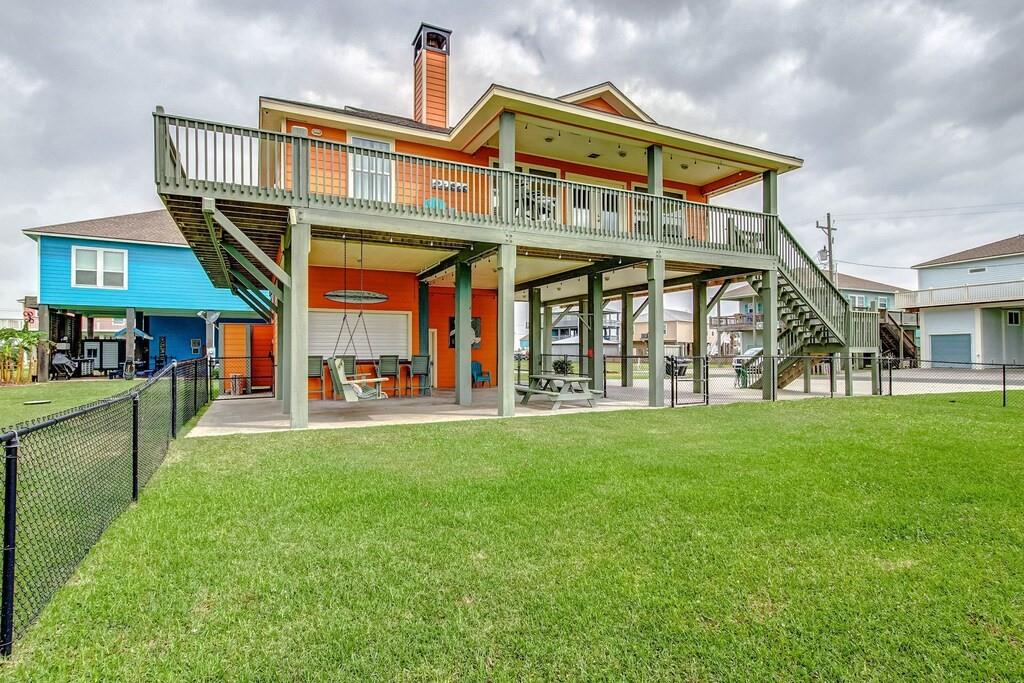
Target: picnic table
{"points": [[559, 389]]}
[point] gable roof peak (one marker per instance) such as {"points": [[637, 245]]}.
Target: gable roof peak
{"points": [[613, 96]]}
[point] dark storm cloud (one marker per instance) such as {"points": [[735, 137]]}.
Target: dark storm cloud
{"points": [[892, 105]]}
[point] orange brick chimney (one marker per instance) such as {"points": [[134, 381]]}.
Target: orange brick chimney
{"points": [[430, 75]]}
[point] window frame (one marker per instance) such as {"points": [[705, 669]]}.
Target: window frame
{"points": [[350, 187], [100, 267], [1008, 314]]}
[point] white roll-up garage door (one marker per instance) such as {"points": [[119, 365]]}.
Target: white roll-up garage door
{"points": [[385, 334]]}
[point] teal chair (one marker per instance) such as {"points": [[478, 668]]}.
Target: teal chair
{"points": [[387, 366], [479, 375], [316, 371], [420, 367]]}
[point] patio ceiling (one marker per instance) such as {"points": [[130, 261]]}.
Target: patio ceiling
{"points": [[557, 140]]}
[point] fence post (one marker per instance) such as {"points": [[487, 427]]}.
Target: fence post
{"points": [[672, 379], [135, 447], [10, 519], [1004, 386], [890, 377], [604, 378], [831, 375], [775, 378], [195, 388], [707, 380], [174, 399]]}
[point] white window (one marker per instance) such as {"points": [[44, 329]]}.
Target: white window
{"points": [[103, 268], [1013, 317], [858, 300], [369, 175]]}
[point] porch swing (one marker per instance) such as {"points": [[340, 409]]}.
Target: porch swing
{"points": [[347, 384]]}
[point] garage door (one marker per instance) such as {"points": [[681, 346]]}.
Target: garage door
{"points": [[384, 334], [950, 350]]}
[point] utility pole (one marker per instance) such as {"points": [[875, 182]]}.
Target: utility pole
{"points": [[829, 231]]}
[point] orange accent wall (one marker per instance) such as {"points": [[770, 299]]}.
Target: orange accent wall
{"points": [[263, 355], [403, 295], [600, 104], [232, 342], [485, 307]]}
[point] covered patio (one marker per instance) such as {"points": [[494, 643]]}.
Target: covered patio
{"points": [[258, 415]]}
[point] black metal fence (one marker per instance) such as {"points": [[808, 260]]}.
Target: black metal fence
{"points": [[69, 475], [696, 380]]}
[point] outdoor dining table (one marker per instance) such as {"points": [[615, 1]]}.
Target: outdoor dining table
{"points": [[559, 388]]}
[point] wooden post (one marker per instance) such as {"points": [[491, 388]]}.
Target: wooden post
{"points": [[549, 316], [298, 337], [700, 333], [463, 333], [626, 340], [43, 349], [770, 303], [595, 340], [584, 331], [506, 329], [423, 317], [129, 335], [536, 332], [656, 331]]}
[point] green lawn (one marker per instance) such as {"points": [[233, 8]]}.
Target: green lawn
{"points": [[63, 395], [872, 538]]}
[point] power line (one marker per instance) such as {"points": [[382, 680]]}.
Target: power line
{"points": [[872, 265], [849, 218], [928, 210], [967, 267]]}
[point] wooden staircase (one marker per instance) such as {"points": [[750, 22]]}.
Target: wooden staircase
{"points": [[813, 314], [889, 336]]}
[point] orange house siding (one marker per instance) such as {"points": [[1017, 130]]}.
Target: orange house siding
{"points": [[485, 307], [403, 295], [600, 105], [436, 99]]}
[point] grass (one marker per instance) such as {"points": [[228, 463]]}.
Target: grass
{"points": [[850, 539], [63, 396]]}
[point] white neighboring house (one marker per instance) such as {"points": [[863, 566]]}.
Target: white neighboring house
{"points": [[970, 304]]}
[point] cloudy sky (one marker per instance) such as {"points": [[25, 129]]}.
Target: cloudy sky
{"points": [[910, 115]]}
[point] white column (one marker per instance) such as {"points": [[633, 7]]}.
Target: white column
{"points": [[506, 329], [656, 331], [298, 337]]}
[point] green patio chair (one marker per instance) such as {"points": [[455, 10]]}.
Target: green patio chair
{"points": [[388, 367], [316, 371], [420, 367]]}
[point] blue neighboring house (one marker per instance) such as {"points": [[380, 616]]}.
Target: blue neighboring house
{"points": [[132, 266]]}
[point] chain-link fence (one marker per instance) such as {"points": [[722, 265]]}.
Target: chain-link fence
{"points": [[69, 475], [243, 376], [975, 383]]}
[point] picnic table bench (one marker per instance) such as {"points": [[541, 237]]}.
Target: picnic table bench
{"points": [[559, 389]]}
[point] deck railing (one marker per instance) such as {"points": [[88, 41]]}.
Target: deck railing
{"points": [[302, 171], [962, 294], [864, 329]]}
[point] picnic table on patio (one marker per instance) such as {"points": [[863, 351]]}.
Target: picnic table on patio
{"points": [[559, 388]]}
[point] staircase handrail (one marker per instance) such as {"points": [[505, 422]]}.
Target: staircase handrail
{"points": [[829, 305]]}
